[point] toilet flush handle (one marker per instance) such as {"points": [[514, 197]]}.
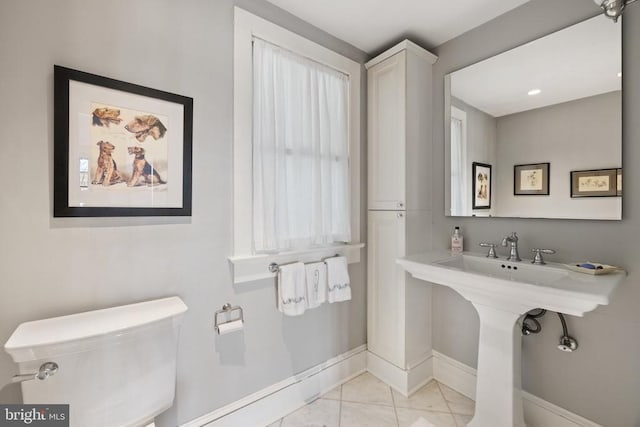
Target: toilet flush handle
{"points": [[46, 370]]}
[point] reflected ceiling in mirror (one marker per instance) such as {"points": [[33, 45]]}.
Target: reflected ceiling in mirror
{"points": [[555, 101]]}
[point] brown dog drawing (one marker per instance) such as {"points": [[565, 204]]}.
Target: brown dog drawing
{"points": [[105, 116], [144, 126], [143, 169], [107, 171]]}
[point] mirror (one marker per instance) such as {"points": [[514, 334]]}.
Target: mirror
{"points": [[536, 132]]}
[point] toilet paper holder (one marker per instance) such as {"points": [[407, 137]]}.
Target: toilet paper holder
{"points": [[228, 310]]}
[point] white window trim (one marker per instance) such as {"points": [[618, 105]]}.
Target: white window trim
{"points": [[248, 266], [461, 115]]}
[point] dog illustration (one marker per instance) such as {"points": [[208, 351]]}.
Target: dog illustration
{"points": [[107, 171], [144, 126], [105, 116], [143, 169]]}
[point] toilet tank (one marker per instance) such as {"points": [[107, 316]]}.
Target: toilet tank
{"points": [[117, 366]]}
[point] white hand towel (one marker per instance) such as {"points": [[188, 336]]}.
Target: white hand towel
{"points": [[292, 289], [316, 284], [338, 279]]}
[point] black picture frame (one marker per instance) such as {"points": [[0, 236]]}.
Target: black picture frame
{"points": [[531, 179], [595, 183], [480, 185], [100, 187]]}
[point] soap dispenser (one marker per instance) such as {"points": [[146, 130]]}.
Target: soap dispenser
{"points": [[456, 241]]}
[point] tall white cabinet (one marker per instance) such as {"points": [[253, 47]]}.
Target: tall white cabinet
{"points": [[399, 216]]}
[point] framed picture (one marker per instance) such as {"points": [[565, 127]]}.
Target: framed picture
{"points": [[595, 183], [481, 187], [119, 149], [531, 179], [619, 183]]}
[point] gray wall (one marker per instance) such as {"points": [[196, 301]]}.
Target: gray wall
{"points": [[577, 135], [601, 381], [53, 267]]}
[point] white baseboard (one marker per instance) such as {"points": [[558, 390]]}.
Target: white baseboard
{"points": [[272, 403], [404, 381], [537, 412], [278, 400], [453, 374]]}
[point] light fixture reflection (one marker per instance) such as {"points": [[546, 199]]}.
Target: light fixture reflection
{"points": [[533, 92]]}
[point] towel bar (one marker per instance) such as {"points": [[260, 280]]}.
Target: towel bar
{"points": [[274, 267]]}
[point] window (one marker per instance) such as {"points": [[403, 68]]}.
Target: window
{"points": [[459, 199], [300, 151], [296, 144]]}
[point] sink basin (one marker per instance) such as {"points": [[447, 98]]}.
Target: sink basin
{"points": [[501, 292], [515, 286], [532, 274]]}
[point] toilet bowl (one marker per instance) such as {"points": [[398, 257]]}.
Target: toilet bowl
{"points": [[115, 367]]}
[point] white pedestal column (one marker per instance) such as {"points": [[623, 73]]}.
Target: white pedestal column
{"points": [[498, 388]]}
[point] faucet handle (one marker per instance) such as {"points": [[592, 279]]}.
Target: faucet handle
{"points": [[538, 259], [492, 249]]}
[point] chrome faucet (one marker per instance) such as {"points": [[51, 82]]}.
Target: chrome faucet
{"points": [[513, 249]]}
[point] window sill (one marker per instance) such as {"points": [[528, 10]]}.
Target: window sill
{"points": [[256, 267]]}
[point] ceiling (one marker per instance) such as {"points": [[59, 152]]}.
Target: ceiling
{"points": [[579, 61], [371, 25]]}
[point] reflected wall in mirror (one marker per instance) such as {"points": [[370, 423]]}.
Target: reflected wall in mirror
{"points": [[556, 100]]}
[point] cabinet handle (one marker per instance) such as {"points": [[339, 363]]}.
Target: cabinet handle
{"points": [[400, 214]]}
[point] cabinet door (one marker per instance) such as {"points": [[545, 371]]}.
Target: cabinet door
{"points": [[386, 133], [386, 286]]}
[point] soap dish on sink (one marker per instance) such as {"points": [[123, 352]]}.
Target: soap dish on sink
{"points": [[594, 268]]}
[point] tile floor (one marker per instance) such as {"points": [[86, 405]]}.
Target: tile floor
{"points": [[365, 401]]}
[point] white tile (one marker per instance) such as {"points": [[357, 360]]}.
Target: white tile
{"points": [[366, 388], [407, 417], [276, 424], [319, 413], [333, 394], [428, 398], [363, 415], [458, 403], [462, 420]]}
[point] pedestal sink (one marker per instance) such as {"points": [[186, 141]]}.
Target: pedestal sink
{"points": [[501, 292]]}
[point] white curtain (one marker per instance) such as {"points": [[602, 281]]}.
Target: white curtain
{"points": [[458, 184], [300, 151]]}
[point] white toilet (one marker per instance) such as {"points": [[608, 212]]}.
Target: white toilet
{"points": [[115, 367]]}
